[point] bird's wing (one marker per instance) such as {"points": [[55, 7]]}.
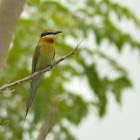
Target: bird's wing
{"points": [[53, 55], [35, 57]]}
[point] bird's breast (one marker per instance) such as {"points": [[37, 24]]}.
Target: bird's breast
{"points": [[45, 56]]}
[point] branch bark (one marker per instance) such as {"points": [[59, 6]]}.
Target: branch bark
{"points": [[10, 11], [6, 86]]}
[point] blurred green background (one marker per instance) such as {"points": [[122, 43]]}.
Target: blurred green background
{"points": [[77, 19]]}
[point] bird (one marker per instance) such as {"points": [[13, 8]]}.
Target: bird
{"points": [[43, 56]]}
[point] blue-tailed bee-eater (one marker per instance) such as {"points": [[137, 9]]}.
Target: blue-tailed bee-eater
{"points": [[42, 57]]}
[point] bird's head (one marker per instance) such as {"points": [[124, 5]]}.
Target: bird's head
{"points": [[48, 35]]}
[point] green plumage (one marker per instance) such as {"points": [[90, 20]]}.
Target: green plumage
{"points": [[42, 57]]}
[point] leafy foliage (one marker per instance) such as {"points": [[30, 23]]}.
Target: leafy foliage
{"points": [[94, 18]]}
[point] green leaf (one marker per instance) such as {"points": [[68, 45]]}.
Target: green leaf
{"points": [[36, 2]]}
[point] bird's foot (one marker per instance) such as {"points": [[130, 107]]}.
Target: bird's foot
{"points": [[51, 66]]}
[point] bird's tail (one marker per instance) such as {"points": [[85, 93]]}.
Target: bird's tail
{"points": [[33, 89]]}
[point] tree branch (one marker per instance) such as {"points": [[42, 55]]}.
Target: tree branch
{"points": [[6, 86]]}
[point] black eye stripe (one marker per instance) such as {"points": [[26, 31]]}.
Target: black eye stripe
{"points": [[44, 34]]}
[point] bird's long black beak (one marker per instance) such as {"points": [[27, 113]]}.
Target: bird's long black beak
{"points": [[57, 32]]}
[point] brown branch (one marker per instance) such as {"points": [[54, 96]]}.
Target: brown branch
{"points": [[6, 86]]}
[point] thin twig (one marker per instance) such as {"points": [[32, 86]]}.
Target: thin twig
{"points": [[6, 86], [46, 126], [48, 123]]}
